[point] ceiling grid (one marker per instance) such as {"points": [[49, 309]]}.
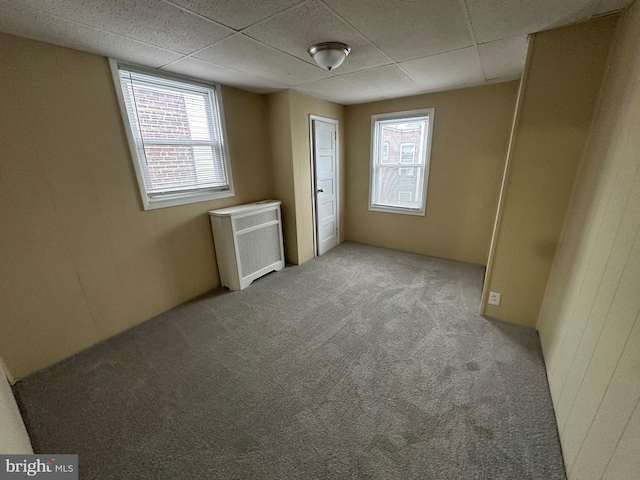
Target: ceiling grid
{"points": [[398, 47]]}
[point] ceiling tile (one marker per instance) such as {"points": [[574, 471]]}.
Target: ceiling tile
{"points": [[406, 30], [295, 30], [387, 81], [606, 6], [503, 58], [215, 73], [25, 22], [337, 90], [431, 38], [447, 70], [498, 19], [236, 14], [247, 55], [149, 21]]}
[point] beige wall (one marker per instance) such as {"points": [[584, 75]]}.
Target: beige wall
{"points": [[80, 259], [470, 137], [589, 324], [289, 113], [301, 107], [279, 123], [561, 84]]}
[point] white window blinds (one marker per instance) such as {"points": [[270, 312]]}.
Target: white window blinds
{"points": [[177, 130]]}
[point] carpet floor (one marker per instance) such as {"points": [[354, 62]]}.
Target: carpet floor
{"points": [[364, 363]]}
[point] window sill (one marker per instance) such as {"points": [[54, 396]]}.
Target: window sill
{"points": [[400, 210], [184, 199]]}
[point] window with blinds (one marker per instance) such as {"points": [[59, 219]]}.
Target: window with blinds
{"points": [[177, 137]]}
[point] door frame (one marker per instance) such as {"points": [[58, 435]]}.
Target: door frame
{"points": [[314, 197]]}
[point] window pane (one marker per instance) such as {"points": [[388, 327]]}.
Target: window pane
{"points": [[407, 153], [400, 141], [160, 113], [404, 197], [396, 190]]}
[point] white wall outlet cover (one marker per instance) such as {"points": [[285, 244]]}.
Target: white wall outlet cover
{"points": [[494, 298]]}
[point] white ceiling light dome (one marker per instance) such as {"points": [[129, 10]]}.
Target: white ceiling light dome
{"points": [[329, 55]]}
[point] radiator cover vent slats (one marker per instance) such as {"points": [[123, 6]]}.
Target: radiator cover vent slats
{"points": [[248, 242], [260, 218], [258, 249]]}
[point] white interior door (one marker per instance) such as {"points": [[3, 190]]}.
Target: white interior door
{"points": [[325, 153]]}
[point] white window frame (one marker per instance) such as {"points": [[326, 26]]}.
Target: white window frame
{"points": [[373, 166], [170, 199]]}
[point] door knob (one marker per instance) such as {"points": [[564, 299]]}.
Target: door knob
{"points": [[320, 190]]}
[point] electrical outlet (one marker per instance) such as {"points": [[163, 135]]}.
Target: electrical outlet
{"points": [[494, 298]]}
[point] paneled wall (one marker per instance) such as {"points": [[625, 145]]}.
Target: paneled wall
{"points": [[589, 322], [80, 258], [564, 72]]}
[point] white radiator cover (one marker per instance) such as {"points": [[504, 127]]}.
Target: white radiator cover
{"points": [[248, 242]]}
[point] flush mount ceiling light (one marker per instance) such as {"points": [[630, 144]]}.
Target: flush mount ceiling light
{"points": [[329, 55]]}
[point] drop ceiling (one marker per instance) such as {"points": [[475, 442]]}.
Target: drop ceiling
{"points": [[399, 47]]}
